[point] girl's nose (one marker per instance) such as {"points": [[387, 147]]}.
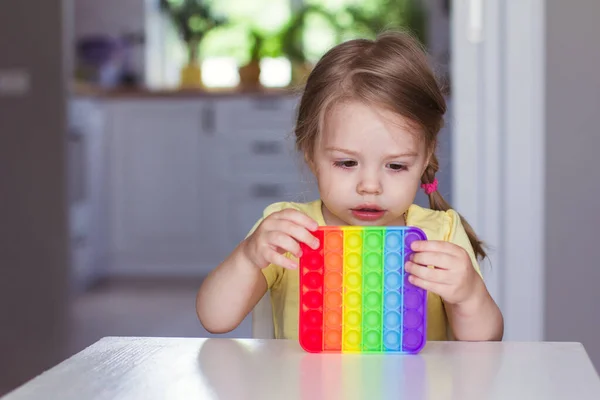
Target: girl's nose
{"points": [[369, 185]]}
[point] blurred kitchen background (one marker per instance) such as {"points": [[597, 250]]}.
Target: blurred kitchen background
{"points": [[141, 139], [180, 133]]}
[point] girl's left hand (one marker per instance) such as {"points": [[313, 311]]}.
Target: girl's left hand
{"points": [[453, 277]]}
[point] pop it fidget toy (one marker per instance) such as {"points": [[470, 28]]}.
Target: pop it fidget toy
{"points": [[355, 296]]}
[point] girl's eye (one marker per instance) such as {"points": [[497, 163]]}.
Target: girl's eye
{"points": [[345, 163], [397, 167]]}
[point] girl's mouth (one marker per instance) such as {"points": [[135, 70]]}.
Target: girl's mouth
{"points": [[368, 212]]}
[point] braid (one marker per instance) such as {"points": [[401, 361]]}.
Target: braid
{"points": [[437, 202]]}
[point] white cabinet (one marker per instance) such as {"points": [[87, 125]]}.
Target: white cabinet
{"points": [[86, 184], [188, 177], [248, 198], [165, 197], [260, 163], [256, 113], [265, 152]]}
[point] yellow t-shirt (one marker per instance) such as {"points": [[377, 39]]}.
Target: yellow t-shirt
{"points": [[284, 283]]}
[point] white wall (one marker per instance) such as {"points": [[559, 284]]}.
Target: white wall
{"points": [[527, 97], [498, 152], [573, 173], [438, 31]]}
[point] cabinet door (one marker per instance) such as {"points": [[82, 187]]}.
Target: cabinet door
{"points": [[86, 195], [258, 153], [165, 201], [248, 198], [255, 113]]}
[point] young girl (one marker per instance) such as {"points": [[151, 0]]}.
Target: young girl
{"points": [[367, 125]]}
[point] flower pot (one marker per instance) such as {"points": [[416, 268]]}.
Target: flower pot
{"points": [[250, 76], [191, 76]]}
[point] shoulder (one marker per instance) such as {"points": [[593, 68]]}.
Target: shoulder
{"points": [[437, 225], [312, 209]]}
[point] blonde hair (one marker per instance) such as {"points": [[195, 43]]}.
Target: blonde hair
{"points": [[391, 72]]}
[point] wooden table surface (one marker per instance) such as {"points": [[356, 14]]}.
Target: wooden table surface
{"points": [[178, 368]]}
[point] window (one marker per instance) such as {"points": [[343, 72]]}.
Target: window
{"points": [[223, 50], [226, 48], [319, 34]]}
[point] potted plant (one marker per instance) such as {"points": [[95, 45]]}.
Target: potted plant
{"points": [[398, 14], [193, 20], [262, 44], [250, 72]]}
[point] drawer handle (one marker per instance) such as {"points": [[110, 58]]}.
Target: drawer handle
{"points": [[77, 167], [207, 119], [265, 147], [264, 190], [267, 103]]}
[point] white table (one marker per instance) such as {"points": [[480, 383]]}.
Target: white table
{"points": [[173, 368]]}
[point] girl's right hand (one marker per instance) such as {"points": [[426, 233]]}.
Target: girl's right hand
{"points": [[280, 233]]}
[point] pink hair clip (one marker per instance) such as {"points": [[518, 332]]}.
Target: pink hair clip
{"points": [[430, 187]]}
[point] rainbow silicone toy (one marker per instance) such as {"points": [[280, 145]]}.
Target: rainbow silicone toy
{"points": [[355, 296]]}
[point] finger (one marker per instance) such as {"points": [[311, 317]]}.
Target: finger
{"points": [[281, 251], [439, 260], [437, 246], [298, 217], [433, 287], [273, 257], [298, 232], [427, 274], [280, 240]]}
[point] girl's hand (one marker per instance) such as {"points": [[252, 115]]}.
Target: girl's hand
{"points": [[453, 279], [277, 234]]}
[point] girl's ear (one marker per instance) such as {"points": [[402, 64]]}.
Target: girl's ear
{"points": [[310, 162], [430, 153]]}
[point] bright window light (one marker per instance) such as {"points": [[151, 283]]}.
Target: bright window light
{"points": [[220, 72], [275, 72]]}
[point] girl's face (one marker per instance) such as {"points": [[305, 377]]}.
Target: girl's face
{"points": [[368, 163]]}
